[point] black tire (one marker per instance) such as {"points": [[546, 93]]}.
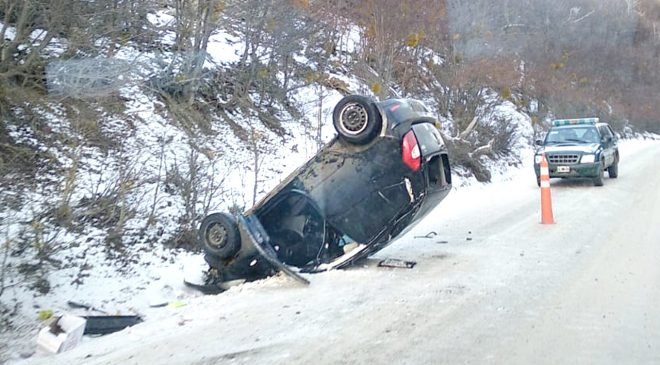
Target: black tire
{"points": [[213, 261], [357, 119], [598, 180], [613, 171], [218, 235]]}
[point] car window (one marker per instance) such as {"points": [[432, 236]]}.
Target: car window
{"points": [[577, 134], [609, 129], [418, 107], [590, 135], [605, 132]]}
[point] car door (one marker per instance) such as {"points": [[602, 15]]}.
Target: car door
{"points": [[615, 140], [358, 189], [608, 144]]}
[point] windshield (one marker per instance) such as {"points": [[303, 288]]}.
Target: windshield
{"points": [[587, 134]]}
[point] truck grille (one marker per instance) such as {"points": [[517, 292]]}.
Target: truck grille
{"points": [[563, 159]]}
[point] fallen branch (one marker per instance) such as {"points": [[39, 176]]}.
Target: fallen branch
{"points": [[469, 129], [583, 17], [485, 149]]}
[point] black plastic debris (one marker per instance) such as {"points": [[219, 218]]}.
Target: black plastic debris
{"points": [[397, 263], [103, 325], [204, 288], [206, 281]]}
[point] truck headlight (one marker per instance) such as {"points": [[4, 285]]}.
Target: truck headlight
{"points": [[588, 158], [537, 159]]}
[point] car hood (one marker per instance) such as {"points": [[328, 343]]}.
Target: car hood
{"points": [[584, 148]]}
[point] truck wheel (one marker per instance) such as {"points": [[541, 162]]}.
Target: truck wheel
{"points": [[357, 119], [598, 180], [613, 171], [219, 236]]}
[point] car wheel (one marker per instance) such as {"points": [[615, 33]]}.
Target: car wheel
{"points": [[613, 171], [598, 180], [219, 236], [356, 119]]}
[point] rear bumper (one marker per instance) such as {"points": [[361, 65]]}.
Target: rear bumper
{"points": [[432, 200]]}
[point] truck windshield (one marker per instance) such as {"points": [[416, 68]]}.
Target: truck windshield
{"points": [[586, 134]]}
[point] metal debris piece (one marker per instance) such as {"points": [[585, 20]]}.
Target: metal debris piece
{"points": [[397, 263], [428, 235], [73, 304]]}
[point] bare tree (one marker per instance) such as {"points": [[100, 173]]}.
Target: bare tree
{"points": [[260, 146], [195, 21], [5, 248]]}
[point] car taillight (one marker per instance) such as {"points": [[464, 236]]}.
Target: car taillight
{"points": [[410, 152]]}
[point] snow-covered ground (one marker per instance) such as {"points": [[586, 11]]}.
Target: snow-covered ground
{"points": [[279, 294]]}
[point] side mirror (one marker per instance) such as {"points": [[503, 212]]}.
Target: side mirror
{"points": [[538, 142]]}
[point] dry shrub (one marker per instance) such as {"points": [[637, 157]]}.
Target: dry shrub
{"points": [[461, 155]]}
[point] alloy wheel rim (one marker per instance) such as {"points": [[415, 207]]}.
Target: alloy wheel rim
{"points": [[216, 235]]}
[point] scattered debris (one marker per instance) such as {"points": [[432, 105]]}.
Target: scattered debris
{"points": [[176, 304], [61, 334], [397, 263], [468, 238], [205, 281], [73, 304], [428, 235], [102, 325], [442, 242], [45, 314]]}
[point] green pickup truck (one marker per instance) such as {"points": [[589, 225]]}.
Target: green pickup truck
{"points": [[579, 148]]}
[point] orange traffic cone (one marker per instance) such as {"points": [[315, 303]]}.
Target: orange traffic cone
{"points": [[546, 199]]}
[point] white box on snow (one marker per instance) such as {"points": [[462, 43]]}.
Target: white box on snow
{"points": [[72, 328]]}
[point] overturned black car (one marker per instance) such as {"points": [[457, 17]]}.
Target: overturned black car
{"points": [[385, 171]]}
